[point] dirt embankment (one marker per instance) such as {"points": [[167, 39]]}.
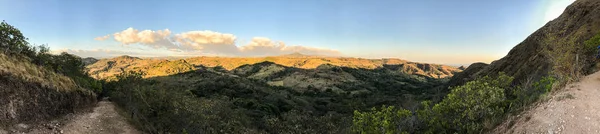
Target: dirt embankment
{"points": [[23, 102]]}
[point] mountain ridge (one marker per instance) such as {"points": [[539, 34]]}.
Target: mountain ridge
{"points": [[104, 68]]}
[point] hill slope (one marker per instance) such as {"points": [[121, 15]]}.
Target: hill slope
{"points": [[530, 58], [29, 93], [106, 68]]}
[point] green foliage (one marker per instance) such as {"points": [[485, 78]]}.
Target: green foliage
{"points": [[571, 57], [161, 110], [592, 44], [12, 42], [468, 108], [259, 106], [530, 92], [305, 123], [387, 120]]}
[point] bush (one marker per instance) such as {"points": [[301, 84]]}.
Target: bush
{"points": [[530, 92], [387, 120], [160, 110], [13, 43], [592, 44], [470, 108]]}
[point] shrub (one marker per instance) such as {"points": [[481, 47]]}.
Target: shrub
{"points": [[469, 108], [592, 44], [157, 109], [13, 43], [530, 92], [386, 120]]}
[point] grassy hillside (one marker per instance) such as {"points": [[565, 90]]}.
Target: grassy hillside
{"points": [[107, 68], [558, 48], [30, 93], [36, 86], [30, 72]]}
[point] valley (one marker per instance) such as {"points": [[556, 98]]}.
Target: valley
{"points": [[202, 81]]}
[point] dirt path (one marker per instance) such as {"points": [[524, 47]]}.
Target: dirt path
{"points": [[574, 110], [104, 119]]}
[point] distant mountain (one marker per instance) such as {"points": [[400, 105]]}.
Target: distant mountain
{"points": [[310, 62], [89, 61], [105, 68]]}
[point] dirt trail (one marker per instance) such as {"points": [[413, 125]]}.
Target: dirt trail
{"points": [[573, 110], [104, 119]]}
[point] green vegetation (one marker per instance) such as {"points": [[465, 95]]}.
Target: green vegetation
{"points": [[387, 120], [215, 100], [592, 44], [571, 58], [37, 86], [14, 44], [469, 107], [203, 101], [475, 107]]}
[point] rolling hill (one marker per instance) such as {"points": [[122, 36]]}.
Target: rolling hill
{"points": [[105, 68]]}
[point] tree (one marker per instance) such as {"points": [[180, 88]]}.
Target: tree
{"points": [[13, 41]]}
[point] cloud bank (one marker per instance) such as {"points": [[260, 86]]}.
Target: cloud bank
{"points": [[211, 42]]}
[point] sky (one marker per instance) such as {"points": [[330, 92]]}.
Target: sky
{"points": [[435, 31]]}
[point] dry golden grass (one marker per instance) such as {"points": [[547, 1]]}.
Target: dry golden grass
{"points": [[29, 72]]}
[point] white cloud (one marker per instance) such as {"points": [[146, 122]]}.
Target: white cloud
{"points": [[207, 41], [212, 43], [101, 38], [155, 39], [207, 37], [261, 46]]}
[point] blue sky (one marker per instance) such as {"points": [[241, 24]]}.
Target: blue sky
{"points": [[439, 31]]}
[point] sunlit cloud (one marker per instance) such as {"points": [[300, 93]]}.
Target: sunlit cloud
{"points": [[261, 46], [212, 43], [101, 38], [207, 41], [156, 39]]}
